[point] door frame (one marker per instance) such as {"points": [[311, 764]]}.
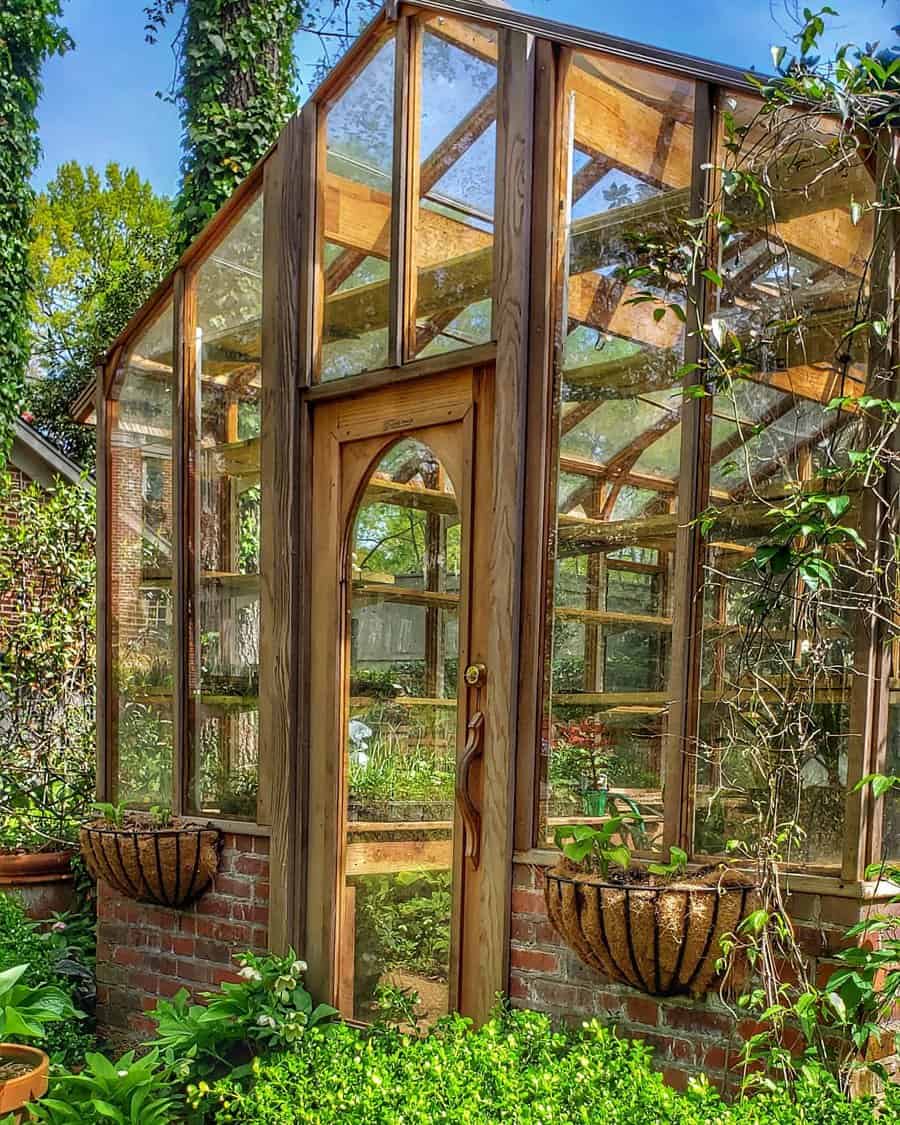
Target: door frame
{"points": [[349, 438]]}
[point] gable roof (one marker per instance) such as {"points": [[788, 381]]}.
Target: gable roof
{"points": [[40, 460]]}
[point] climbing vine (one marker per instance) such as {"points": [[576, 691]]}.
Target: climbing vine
{"points": [[29, 34], [235, 85]]}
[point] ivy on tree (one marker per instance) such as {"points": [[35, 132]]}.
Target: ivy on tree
{"points": [[235, 85], [29, 34]]}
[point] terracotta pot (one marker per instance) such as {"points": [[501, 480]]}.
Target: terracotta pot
{"points": [[664, 940], [171, 866], [18, 1092], [34, 867]]}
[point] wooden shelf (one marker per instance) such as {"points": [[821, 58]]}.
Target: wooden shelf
{"points": [[229, 580], [236, 458], [402, 700], [382, 591]]}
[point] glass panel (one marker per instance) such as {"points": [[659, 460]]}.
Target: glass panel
{"points": [[141, 569], [400, 751], [776, 674], [357, 221], [619, 443], [458, 141], [225, 651]]}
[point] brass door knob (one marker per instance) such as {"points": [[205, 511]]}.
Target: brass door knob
{"points": [[475, 675]]}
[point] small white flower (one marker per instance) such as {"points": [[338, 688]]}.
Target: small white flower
{"points": [[122, 1073], [299, 967], [249, 973]]}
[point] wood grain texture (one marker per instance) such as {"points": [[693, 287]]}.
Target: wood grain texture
{"points": [[687, 595], [515, 147], [185, 430], [281, 480], [550, 173], [102, 409], [867, 743]]}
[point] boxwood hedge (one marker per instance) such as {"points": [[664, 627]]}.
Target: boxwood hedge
{"points": [[517, 1069]]}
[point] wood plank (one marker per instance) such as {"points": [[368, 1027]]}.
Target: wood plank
{"points": [[106, 771], [284, 477], [610, 617], [185, 522], [485, 963], [392, 856], [404, 595], [411, 496], [549, 182]]}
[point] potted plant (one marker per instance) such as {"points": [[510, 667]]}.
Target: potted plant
{"points": [[151, 857], [655, 927], [23, 1013]]}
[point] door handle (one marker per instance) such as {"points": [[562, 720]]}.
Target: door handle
{"points": [[469, 811]]}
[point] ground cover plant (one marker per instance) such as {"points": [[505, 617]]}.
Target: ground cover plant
{"points": [[517, 1069]]}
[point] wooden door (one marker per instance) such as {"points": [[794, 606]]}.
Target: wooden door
{"points": [[398, 687]]}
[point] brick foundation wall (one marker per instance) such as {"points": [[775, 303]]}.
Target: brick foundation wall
{"points": [[145, 952], [689, 1036]]}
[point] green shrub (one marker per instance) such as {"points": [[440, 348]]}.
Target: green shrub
{"points": [[517, 1069], [21, 942]]}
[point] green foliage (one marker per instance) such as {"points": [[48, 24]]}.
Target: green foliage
{"points": [[403, 921], [24, 1009], [29, 34], [517, 1068], [47, 568], [599, 849], [235, 86], [46, 954], [100, 246], [130, 1091], [269, 1010]]}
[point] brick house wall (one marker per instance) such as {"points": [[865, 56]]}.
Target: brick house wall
{"points": [[9, 610], [146, 952]]}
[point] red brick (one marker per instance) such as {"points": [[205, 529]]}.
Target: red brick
{"points": [[251, 865], [643, 1010], [528, 902], [261, 845], [699, 1020], [676, 1077], [183, 946], [533, 960], [518, 987], [234, 888]]}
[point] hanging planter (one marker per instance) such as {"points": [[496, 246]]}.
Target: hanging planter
{"points": [[660, 937], [170, 866]]}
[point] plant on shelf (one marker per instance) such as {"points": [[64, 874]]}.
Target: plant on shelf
{"points": [[150, 856], [236, 791]]}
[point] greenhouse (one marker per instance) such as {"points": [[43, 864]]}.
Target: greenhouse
{"points": [[425, 531]]}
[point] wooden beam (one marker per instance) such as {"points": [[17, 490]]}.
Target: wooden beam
{"points": [[288, 232]]}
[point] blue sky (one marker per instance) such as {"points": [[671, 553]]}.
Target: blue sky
{"points": [[100, 101]]}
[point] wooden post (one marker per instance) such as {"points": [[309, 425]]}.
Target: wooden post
{"points": [[288, 229], [185, 518], [105, 776], [869, 696], [515, 146], [546, 328], [679, 765]]}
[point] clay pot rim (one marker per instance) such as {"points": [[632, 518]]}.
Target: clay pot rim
{"points": [[18, 1092]]}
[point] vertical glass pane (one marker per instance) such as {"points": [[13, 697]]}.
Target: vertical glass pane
{"points": [[142, 569], [777, 671], [357, 221], [458, 141], [224, 661], [619, 444], [890, 842], [400, 750]]}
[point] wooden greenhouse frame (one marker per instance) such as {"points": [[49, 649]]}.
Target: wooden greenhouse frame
{"points": [[506, 389]]}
